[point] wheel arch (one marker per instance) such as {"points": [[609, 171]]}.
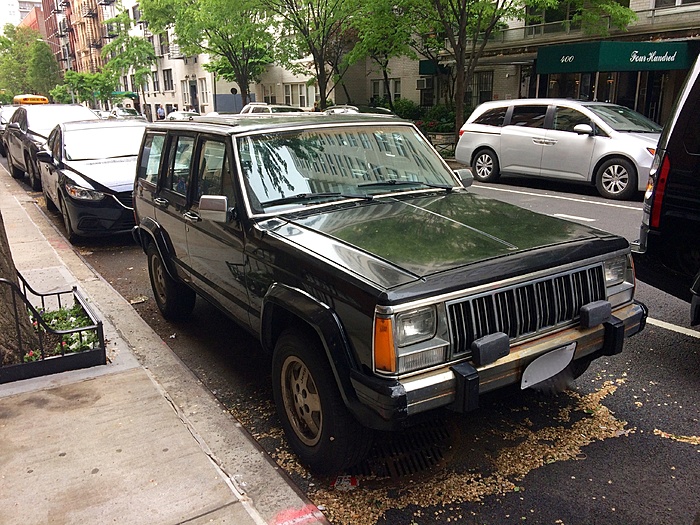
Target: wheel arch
{"points": [[286, 307], [149, 231], [611, 156]]}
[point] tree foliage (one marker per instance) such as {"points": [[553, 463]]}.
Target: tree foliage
{"points": [[90, 87], [236, 34], [27, 64]]}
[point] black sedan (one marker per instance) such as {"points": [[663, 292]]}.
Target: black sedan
{"points": [[87, 173], [6, 113], [27, 131]]}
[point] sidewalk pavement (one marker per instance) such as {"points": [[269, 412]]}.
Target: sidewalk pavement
{"points": [[136, 441]]}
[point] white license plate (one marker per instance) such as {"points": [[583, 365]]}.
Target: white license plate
{"points": [[547, 365]]}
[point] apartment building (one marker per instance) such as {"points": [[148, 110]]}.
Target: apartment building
{"points": [[642, 68]]}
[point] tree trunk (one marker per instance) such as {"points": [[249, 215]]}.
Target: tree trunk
{"points": [[10, 350]]}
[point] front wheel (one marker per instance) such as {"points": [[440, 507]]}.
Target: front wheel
{"points": [[486, 168], [616, 179], [319, 427], [33, 172], [14, 170], [72, 237], [174, 299]]}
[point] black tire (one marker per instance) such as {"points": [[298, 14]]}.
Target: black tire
{"points": [[32, 172], [3, 152], [72, 237], [14, 170], [174, 299], [319, 427], [485, 166], [49, 203], [616, 179]]}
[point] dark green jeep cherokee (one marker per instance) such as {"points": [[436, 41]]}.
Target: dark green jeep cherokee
{"points": [[382, 287]]}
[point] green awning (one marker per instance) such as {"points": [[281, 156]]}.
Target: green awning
{"points": [[430, 68], [613, 56]]}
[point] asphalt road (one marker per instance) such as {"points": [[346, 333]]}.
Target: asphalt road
{"points": [[622, 447]]}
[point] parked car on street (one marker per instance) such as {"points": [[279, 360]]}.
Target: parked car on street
{"points": [[6, 113], [87, 173], [263, 108], [596, 143], [348, 108], [181, 115], [27, 131], [126, 114], [381, 286], [668, 252]]}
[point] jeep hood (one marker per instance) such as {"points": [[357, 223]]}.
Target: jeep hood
{"points": [[392, 242]]}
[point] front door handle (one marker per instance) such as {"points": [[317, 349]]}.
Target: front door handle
{"points": [[191, 217], [160, 201]]}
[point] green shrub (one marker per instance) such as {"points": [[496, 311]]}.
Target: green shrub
{"points": [[407, 109]]}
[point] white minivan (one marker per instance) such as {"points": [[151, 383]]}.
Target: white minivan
{"points": [[598, 143]]}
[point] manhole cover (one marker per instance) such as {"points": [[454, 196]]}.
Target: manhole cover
{"points": [[407, 452]]}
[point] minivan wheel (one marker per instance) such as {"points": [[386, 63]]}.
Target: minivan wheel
{"points": [[616, 179], [319, 427], [486, 168], [174, 299]]}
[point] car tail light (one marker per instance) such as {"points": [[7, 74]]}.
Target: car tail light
{"points": [[660, 188], [461, 132]]}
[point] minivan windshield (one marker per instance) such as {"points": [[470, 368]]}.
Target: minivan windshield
{"points": [[297, 168], [623, 119]]}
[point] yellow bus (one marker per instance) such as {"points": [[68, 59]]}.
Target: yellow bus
{"points": [[30, 99]]}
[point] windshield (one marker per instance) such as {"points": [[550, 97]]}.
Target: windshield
{"points": [[102, 143], [624, 119], [297, 168], [128, 112]]}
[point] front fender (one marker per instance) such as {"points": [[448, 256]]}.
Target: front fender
{"points": [[149, 231]]}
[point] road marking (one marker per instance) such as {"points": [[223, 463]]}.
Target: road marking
{"points": [[559, 197], [674, 328], [573, 217]]}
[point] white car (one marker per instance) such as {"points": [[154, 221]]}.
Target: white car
{"points": [[597, 143]]}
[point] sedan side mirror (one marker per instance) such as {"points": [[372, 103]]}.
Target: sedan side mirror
{"points": [[583, 129], [466, 176]]}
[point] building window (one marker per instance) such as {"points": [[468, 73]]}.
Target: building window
{"points": [[164, 44], [156, 82], [168, 80], [269, 94], [295, 95], [133, 83], [203, 91], [145, 86], [185, 88], [379, 89], [136, 13], [480, 90], [125, 83]]}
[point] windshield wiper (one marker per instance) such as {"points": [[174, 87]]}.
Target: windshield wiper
{"points": [[394, 182], [302, 197]]}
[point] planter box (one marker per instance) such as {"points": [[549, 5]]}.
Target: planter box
{"points": [[442, 142], [47, 364]]}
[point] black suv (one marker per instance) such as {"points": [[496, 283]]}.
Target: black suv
{"points": [[667, 255], [382, 288]]}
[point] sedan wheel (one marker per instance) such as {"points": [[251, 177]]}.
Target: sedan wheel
{"points": [[486, 167], [616, 179], [14, 170], [70, 234], [33, 172]]}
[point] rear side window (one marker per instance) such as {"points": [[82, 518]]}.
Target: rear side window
{"points": [[178, 175], [492, 117], [528, 116], [150, 158]]}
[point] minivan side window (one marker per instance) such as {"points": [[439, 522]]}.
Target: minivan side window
{"points": [[566, 118], [177, 177], [529, 116], [492, 117], [150, 158]]}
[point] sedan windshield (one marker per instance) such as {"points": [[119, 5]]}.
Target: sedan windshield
{"points": [[298, 168], [102, 143], [624, 119]]}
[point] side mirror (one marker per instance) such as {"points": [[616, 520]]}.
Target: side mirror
{"points": [[213, 208], [44, 156], [466, 176], [583, 129], [13, 125]]}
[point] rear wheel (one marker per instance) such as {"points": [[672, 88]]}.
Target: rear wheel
{"points": [[318, 425], [616, 179], [485, 166], [174, 299]]}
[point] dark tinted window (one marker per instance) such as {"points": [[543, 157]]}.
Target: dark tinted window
{"points": [[691, 136], [566, 118], [529, 116], [492, 117], [150, 158]]}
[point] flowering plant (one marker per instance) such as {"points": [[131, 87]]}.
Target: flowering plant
{"points": [[68, 320]]}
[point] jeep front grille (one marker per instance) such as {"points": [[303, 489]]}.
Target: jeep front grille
{"points": [[525, 309]]}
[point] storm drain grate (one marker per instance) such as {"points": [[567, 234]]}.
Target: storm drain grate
{"points": [[407, 452]]}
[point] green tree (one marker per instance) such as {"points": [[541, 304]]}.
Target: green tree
{"points": [[126, 53], [43, 72], [313, 27], [236, 34], [15, 52]]}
